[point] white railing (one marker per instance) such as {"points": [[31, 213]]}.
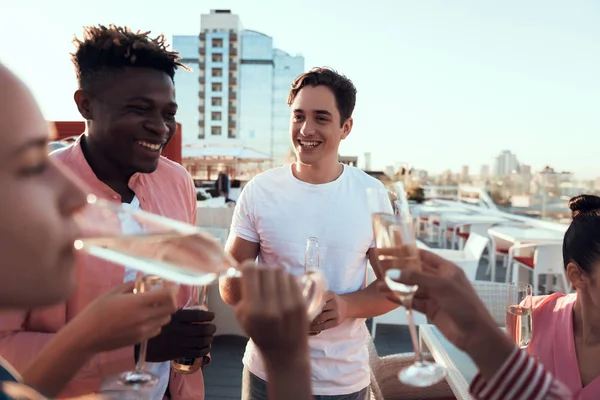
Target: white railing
{"points": [[477, 198]]}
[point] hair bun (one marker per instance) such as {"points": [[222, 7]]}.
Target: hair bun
{"points": [[584, 204]]}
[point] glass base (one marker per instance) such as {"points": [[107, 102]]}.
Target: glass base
{"points": [[422, 374], [138, 379]]}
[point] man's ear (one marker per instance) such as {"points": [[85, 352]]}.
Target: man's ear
{"points": [[83, 101], [347, 128]]}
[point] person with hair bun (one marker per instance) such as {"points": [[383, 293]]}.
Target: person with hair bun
{"points": [[566, 334]]}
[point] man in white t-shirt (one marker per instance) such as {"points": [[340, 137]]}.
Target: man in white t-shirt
{"points": [[315, 197]]}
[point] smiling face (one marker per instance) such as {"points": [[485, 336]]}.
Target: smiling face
{"points": [[315, 128], [132, 117], [36, 207]]}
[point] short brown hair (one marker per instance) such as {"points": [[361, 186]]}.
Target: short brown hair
{"points": [[343, 89]]}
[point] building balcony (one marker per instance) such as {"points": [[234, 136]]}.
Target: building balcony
{"points": [[233, 51], [201, 80], [232, 95], [231, 134], [232, 66], [201, 94], [233, 37], [232, 80], [232, 110], [201, 124], [202, 36], [202, 51]]}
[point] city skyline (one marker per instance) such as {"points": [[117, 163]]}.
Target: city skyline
{"points": [[440, 85]]}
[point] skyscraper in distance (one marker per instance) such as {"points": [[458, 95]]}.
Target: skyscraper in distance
{"points": [[242, 86]]}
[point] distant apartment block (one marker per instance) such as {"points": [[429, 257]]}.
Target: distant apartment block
{"points": [[238, 89], [505, 164]]}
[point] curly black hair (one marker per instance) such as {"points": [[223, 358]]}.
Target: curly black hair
{"points": [[106, 49]]}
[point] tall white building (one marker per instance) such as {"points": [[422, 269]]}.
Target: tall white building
{"points": [[241, 88], [505, 164]]}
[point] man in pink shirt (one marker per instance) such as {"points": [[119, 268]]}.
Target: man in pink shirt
{"points": [[127, 97]]}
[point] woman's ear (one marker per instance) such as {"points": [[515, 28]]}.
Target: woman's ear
{"points": [[576, 276]]}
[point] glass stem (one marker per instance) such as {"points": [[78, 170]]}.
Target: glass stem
{"points": [[140, 366], [407, 303]]}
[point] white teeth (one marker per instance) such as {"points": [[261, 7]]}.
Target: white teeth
{"points": [[308, 144], [149, 145]]}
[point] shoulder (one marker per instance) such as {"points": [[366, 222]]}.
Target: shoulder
{"points": [[174, 172], [271, 175], [268, 180], [553, 303], [360, 177]]}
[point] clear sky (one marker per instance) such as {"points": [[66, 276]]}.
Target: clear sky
{"points": [[440, 83]]}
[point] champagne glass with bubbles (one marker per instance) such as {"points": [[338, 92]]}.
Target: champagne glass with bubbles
{"points": [[396, 250], [519, 321]]}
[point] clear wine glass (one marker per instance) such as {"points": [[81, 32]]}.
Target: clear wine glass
{"points": [[138, 379], [396, 250], [519, 319], [311, 258], [311, 263], [169, 249]]}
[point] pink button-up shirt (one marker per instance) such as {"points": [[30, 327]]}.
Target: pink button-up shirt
{"points": [[170, 192], [553, 342]]}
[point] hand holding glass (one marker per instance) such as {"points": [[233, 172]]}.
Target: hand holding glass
{"points": [[519, 321], [169, 249], [396, 250]]}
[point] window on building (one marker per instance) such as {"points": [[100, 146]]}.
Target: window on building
{"points": [[217, 43], [217, 87], [216, 101], [215, 130], [217, 57], [216, 116], [217, 72]]}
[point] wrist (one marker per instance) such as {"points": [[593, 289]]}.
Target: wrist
{"points": [[489, 349], [286, 361], [79, 340]]}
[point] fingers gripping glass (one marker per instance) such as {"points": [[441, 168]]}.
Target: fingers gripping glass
{"points": [[396, 250], [519, 319], [168, 249]]}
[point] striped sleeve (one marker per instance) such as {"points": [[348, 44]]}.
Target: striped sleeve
{"points": [[521, 377]]}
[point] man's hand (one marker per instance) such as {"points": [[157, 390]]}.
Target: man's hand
{"points": [[333, 314], [188, 335]]}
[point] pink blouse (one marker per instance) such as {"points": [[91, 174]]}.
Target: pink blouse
{"points": [[553, 343]]}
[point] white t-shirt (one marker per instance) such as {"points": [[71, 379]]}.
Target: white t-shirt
{"points": [[279, 211], [160, 369]]}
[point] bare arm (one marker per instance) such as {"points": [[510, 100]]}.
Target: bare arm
{"points": [[370, 301], [241, 250]]}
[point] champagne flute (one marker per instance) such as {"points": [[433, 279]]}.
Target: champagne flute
{"points": [[311, 263], [139, 379], [196, 302], [168, 249], [519, 319], [396, 250], [311, 258]]}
